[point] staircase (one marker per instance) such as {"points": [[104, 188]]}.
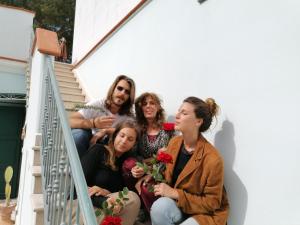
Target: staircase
{"points": [[70, 90], [71, 94]]}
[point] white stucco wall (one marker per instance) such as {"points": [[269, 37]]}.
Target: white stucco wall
{"points": [[243, 53], [94, 19], [12, 77], [25, 213], [15, 33]]}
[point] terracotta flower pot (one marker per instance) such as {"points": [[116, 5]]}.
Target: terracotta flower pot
{"points": [[5, 211]]}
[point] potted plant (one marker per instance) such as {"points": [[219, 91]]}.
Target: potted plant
{"points": [[7, 207]]}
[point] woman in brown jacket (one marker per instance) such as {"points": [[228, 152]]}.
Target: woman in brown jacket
{"points": [[194, 192]]}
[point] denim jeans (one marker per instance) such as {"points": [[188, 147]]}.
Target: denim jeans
{"points": [[82, 139], [164, 211]]}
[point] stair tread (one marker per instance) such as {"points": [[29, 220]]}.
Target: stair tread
{"points": [[37, 202], [36, 148], [70, 93], [36, 171]]}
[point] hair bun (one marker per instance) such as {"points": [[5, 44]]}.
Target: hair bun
{"points": [[212, 105]]}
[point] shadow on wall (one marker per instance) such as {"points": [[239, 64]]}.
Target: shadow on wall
{"points": [[237, 193]]}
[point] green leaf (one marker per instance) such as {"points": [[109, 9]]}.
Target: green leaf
{"points": [[125, 191], [120, 195], [104, 205], [98, 212], [153, 161], [139, 164], [150, 188], [142, 165]]}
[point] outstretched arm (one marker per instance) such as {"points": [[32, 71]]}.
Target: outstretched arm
{"points": [[76, 120]]}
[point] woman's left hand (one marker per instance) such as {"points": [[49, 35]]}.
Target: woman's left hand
{"points": [[165, 190], [97, 191]]}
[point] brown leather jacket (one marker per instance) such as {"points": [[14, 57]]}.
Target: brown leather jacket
{"points": [[200, 184]]}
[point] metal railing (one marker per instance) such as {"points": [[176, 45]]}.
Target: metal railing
{"points": [[61, 168]]}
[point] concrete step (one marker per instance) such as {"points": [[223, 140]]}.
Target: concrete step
{"points": [[64, 73], [36, 156], [62, 69], [68, 83], [69, 89], [62, 65], [72, 97], [66, 79], [36, 172], [38, 208]]}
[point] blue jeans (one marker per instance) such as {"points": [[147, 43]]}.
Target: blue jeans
{"points": [[82, 139], [164, 211]]}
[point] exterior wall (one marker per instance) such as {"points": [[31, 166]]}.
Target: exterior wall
{"points": [[15, 32], [12, 77], [245, 54], [89, 19], [15, 41], [26, 186]]}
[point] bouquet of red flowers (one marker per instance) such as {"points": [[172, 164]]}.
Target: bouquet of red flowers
{"points": [[156, 166], [111, 220]]}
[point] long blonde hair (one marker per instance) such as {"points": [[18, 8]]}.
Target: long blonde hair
{"points": [[111, 159]]}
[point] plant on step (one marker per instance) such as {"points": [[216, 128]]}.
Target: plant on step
{"points": [[108, 209], [79, 106], [8, 175]]}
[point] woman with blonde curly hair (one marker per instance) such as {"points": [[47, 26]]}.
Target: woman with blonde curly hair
{"points": [[150, 116]]}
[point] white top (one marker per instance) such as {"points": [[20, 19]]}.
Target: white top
{"points": [[97, 109]]}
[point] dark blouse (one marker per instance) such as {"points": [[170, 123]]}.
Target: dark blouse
{"points": [[181, 161], [99, 174]]}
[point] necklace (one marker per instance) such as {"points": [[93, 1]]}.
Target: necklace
{"points": [[189, 149]]}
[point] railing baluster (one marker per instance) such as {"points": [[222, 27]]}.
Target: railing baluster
{"points": [[61, 169]]}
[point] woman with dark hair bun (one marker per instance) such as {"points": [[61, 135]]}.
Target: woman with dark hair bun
{"points": [[194, 193]]}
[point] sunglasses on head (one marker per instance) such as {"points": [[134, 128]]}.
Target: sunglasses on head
{"points": [[120, 88]]}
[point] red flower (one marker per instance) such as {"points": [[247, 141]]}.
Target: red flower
{"points": [[168, 126], [111, 220], [164, 157]]}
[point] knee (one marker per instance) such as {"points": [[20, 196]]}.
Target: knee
{"points": [[165, 209], [81, 135], [161, 205], [134, 200]]}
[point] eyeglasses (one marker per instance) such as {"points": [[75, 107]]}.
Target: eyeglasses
{"points": [[120, 88]]}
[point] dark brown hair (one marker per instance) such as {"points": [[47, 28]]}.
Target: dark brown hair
{"points": [[205, 110], [160, 115], [126, 108], [129, 123]]}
